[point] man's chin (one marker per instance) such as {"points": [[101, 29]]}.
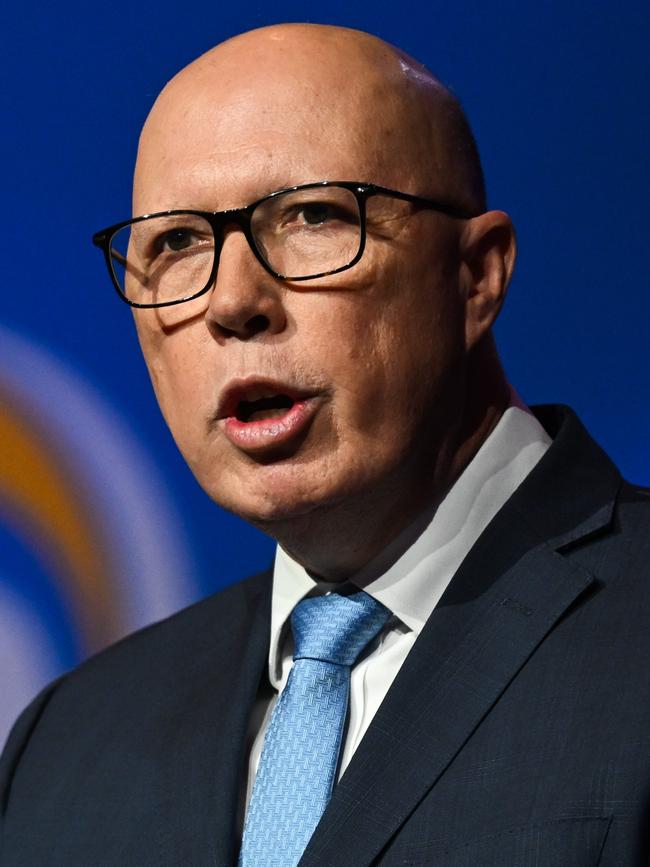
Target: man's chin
{"points": [[277, 516], [269, 496]]}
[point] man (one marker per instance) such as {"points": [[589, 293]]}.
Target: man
{"points": [[322, 353]]}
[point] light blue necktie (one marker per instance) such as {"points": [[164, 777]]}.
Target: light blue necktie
{"points": [[298, 765]]}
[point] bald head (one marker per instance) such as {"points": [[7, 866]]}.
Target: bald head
{"points": [[371, 111]]}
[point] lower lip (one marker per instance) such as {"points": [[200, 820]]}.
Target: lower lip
{"points": [[270, 433]]}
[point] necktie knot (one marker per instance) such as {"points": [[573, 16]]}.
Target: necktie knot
{"points": [[336, 628]]}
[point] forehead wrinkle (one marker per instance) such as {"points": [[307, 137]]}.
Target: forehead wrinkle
{"points": [[219, 177]]}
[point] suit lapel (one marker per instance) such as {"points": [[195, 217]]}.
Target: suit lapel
{"points": [[507, 595], [207, 727]]}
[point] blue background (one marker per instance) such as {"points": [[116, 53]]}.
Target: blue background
{"points": [[557, 95]]}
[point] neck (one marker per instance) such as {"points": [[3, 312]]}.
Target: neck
{"points": [[338, 541]]}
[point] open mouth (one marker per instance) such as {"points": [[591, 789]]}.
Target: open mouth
{"points": [[261, 417], [258, 400], [273, 406]]}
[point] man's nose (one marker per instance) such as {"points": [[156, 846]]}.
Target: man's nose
{"points": [[245, 300]]}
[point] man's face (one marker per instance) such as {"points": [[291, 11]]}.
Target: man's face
{"points": [[370, 357]]}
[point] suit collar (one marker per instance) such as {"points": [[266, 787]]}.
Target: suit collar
{"points": [[515, 584], [572, 492]]}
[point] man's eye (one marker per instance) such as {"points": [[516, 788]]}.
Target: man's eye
{"points": [[176, 240], [323, 214], [316, 213]]}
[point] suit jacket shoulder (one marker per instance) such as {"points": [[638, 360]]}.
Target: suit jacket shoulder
{"points": [[135, 722]]}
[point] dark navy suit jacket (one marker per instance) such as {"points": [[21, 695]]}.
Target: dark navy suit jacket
{"points": [[516, 734]]}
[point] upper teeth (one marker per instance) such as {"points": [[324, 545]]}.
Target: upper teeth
{"points": [[260, 392]]}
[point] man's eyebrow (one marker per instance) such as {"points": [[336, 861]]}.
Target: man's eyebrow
{"points": [[290, 183], [265, 189]]}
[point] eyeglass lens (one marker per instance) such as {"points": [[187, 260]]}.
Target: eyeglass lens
{"points": [[300, 233]]}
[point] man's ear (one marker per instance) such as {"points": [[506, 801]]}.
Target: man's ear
{"points": [[488, 250]]}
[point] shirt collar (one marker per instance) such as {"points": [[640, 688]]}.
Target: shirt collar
{"points": [[411, 574]]}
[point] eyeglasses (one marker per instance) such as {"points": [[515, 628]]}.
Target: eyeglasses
{"points": [[299, 233]]}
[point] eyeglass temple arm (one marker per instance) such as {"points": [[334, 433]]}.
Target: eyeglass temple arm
{"points": [[434, 204], [128, 266], [118, 256]]}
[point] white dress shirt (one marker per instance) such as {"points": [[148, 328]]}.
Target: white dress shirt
{"points": [[409, 577]]}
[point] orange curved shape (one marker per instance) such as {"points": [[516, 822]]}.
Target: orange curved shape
{"points": [[44, 503]]}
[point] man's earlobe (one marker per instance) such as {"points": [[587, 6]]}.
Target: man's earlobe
{"points": [[488, 251]]}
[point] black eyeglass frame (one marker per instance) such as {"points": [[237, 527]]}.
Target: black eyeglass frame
{"points": [[242, 217]]}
